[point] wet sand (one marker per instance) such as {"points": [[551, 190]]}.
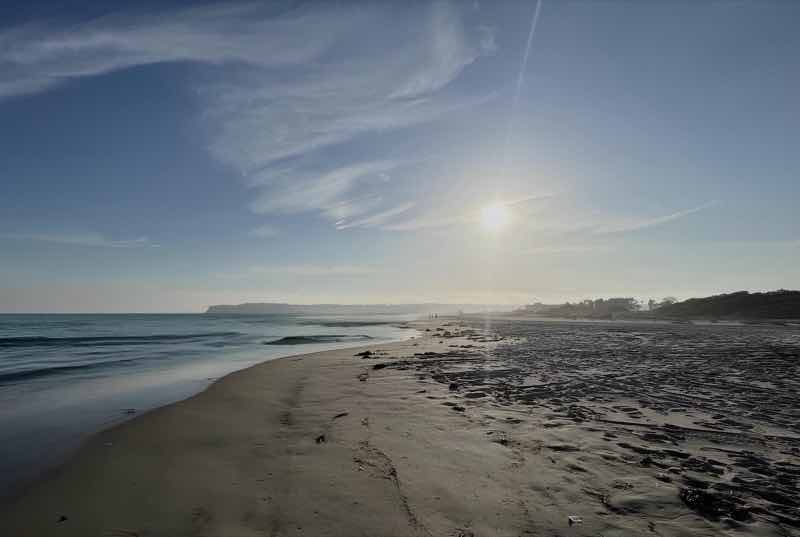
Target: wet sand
{"points": [[521, 429]]}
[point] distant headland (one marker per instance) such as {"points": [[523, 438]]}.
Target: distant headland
{"points": [[781, 304], [276, 308]]}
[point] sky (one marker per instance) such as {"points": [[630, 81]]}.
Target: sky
{"points": [[161, 157]]}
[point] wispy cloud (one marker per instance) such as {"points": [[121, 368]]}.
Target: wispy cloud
{"points": [[635, 225], [291, 83], [462, 214], [313, 270], [378, 218], [80, 239], [429, 221], [291, 191], [555, 249], [37, 57], [525, 199]]}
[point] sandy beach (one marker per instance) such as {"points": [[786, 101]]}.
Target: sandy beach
{"points": [[443, 435], [428, 268]]}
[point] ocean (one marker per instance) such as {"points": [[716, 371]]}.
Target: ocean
{"points": [[64, 377]]}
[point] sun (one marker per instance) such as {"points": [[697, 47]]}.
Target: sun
{"points": [[495, 217]]}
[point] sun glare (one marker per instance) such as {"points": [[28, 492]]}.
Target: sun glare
{"points": [[495, 217]]}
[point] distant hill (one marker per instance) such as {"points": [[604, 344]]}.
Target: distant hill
{"points": [[274, 308], [742, 305]]}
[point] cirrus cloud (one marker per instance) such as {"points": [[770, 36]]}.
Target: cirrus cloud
{"points": [[80, 239], [281, 86]]}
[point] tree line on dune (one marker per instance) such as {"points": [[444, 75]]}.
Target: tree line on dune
{"points": [[780, 304]]}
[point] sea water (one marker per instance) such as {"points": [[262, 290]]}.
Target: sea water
{"points": [[64, 377]]}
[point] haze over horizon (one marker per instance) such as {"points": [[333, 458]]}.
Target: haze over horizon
{"points": [[163, 157]]}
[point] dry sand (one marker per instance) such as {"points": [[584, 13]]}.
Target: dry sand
{"points": [[400, 443]]}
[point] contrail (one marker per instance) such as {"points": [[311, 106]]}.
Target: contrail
{"points": [[524, 65], [521, 78]]}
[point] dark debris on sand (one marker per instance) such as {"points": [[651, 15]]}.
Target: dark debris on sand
{"points": [[651, 382]]}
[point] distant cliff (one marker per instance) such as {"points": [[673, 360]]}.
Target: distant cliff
{"points": [[254, 308], [742, 305], [274, 308]]}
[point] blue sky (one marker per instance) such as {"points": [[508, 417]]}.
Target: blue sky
{"points": [[164, 157]]}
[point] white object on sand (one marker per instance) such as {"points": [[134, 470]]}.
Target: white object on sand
{"points": [[574, 519]]}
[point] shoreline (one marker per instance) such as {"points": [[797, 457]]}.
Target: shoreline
{"points": [[70, 442], [529, 430], [720, 321], [38, 492]]}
